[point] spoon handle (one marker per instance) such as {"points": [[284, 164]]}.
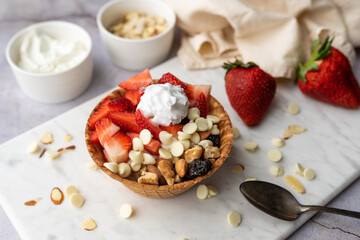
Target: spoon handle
{"points": [[331, 210]]}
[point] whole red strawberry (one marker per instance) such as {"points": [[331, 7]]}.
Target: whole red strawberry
{"points": [[328, 77], [250, 90]]}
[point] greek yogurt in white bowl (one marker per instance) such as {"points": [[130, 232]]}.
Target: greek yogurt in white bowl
{"points": [[51, 60]]}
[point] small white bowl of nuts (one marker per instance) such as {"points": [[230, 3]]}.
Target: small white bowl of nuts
{"points": [[137, 34]]}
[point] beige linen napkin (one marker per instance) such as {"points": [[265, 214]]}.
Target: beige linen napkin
{"points": [[272, 33]]}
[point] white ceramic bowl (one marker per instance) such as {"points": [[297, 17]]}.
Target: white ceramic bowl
{"points": [[52, 87], [136, 54]]}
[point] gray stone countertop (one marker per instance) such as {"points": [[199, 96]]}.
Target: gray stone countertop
{"points": [[19, 113]]}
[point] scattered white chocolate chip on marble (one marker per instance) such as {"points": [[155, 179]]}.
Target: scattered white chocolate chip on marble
{"points": [[52, 154], [77, 200], [212, 191], [234, 218], [295, 184], [46, 138], [137, 144], [112, 166], [213, 118], [56, 196], [309, 174], [89, 224], [69, 190], [164, 154], [250, 179], [202, 192], [238, 169], [193, 114], [92, 165], [190, 128], [293, 108], [124, 170], [33, 147], [274, 155], [136, 156], [126, 211], [201, 124], [276, 170], [177, 149], [298, 169], [287, 134], [250, 146], [68, 137], [165, 137], [145, 136], [277, 142], [296, 129], [236, 133], [148, 159]]}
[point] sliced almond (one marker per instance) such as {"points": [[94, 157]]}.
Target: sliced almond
{"points": [[32, 202], [250, 146], [89, 224], [295, 129], [33, 147], [295, 184], [77, 200], [68, 137], [56, 196], [238, 169], [46, 138], [287, 134], [52, 154]]}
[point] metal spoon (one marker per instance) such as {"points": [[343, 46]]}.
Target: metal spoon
{"points": [[280, 203]]}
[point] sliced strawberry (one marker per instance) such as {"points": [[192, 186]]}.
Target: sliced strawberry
{"points": [[153, 147], [202, 104], [134, 96], [169, 78], [143, 79], [117, 148], [105, 129], [144, 123], [94, 137], [173, 129], [125, 120], [100, 113], [121, 104], [196, 90]]}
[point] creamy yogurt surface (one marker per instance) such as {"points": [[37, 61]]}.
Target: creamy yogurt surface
{"points": [[165, 104], [41, 53]]}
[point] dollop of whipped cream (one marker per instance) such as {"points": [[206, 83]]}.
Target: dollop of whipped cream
{"points": [[164, 104]]}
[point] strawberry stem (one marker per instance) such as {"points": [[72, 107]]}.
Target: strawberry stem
{"points": [[229, 65]]}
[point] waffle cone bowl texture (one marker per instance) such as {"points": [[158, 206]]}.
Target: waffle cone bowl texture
{"points": [[165, 191]]}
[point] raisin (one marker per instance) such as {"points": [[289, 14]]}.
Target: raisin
{"points": [[198, 168], [215, 139]]}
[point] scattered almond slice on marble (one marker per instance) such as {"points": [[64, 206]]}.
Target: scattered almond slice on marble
{"points": [[277, 142], [46, 138], [42, 153], [236, 133], [126, 211], [276, 171], [309, 174], [33, 147], [56, 196], [287, 134], [202, 192], [250, 146], [298, 169], [77, 200], [92, 165], [238, 169], [52, 154], [293, 108], [70, 190], [296, 129], [234, 218], [274, 155], [295, 184], [68, 137], [72, 147], [32, 202], [89, 224]]}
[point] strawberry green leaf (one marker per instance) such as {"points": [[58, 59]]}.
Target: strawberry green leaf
{"points": [[229, 65]]}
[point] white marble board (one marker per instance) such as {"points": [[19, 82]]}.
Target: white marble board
{"points": [[331, 146]]}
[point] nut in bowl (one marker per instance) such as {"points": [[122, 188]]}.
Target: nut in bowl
{"points": [[155, 154], [137, 34]]}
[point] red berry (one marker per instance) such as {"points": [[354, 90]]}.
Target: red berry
{"points": [[144, 123], [143, 79], [125, 120], [202, 105], [100, 113], [121, 104]]}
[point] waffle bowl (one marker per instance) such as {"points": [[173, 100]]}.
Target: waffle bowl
{"points": [[165, 191]]}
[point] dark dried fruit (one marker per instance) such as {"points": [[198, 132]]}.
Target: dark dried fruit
{"points": [[198, 168], [215, 139]]}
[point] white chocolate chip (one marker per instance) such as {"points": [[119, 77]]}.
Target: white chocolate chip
{"points": [[137, 144], [77, 200], [190, 128], [234, 218], [195, 138], [206, 143], [212, 191], [277, 142], [124, 170], [177, 149], [209, 123], [68, 137], [69, 190], [126, 211], [202, 192], [201, 124], [293, 108], [145, 136], [166, 147], [164, 154], [309, 174], [52, 154], [250, 179], [274, 155], [193, 114], [276, 170], [215, 130], [88, 224], [250, 146], [136, 156], [135, 166], [238, 169], [148, 159], [92, 165], [236, 133], [213, 118], [33, 147], [165, 137], [298, 169], [112, 166], [186, 144], [183, 136], [46, 138]]}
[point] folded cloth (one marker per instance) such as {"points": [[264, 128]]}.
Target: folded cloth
{"points": [[275, 34]]}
